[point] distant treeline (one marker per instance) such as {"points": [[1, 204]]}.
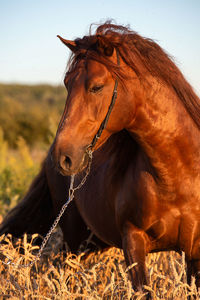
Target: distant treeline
{"points": [[31, 112]]}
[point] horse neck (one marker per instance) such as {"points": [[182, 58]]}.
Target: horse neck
{"points": [[166, 131]]}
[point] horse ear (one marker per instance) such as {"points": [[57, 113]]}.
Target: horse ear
{"points": [[104, 47], [70, 44]]}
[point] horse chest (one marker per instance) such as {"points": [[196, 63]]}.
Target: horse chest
{"points": [[98, 215]]}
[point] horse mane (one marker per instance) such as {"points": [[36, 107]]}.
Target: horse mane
{"points": [[141, 54]]}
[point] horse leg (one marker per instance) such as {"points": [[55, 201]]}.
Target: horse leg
{"points": [[193, 269], [189, 271], [193, 261], [134, 243]]}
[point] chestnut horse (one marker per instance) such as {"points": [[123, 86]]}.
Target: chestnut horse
{"points": [[152, 202], [142, 191]]}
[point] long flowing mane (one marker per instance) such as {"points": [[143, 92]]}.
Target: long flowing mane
{"points": [[143, 55]]}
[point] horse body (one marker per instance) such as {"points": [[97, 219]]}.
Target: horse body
{"points": [[120, 201], [155, 205]]}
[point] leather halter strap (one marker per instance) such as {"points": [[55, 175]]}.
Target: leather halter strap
{"points": [[105, 121]]}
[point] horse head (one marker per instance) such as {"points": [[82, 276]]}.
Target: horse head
{"points": [[90, 82]]}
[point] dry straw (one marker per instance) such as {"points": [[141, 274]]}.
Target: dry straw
{"points": [[100, 275]]}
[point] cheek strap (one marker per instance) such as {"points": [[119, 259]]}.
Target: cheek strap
{"points": [[105, 121]]}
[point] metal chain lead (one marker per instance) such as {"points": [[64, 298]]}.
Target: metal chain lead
{"points": [[72, 189]]}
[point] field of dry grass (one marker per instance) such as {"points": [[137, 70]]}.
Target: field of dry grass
{"points": [[100, 275]]}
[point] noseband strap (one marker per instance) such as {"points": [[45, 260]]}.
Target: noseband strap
{"points": [[105, 121]]}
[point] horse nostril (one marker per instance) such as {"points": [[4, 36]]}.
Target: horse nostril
{"points": [[65, 162], [68, 162]]}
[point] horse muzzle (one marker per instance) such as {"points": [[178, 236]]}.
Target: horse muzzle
{"points": [[69, 165]]}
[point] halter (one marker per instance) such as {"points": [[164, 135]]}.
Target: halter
{"points": [[105, 121]]}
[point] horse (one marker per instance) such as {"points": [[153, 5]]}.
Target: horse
{"points": [[142, 192], [148, 201]]}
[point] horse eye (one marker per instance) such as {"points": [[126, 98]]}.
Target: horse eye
{"points": [[96, 88]]}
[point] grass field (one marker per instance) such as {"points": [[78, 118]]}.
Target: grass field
{"points": [[103, 275]]}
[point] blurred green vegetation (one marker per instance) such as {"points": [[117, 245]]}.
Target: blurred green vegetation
{"points": [[29, 117], [31, 112], [17, 169]]}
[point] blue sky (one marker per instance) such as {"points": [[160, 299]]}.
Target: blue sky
{"points": [[31, 53]]}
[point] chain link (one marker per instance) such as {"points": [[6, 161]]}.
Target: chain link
{"points": [[72, 189], [89, 153]]}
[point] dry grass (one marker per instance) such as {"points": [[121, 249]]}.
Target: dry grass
{"points": [[87, 276]]}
